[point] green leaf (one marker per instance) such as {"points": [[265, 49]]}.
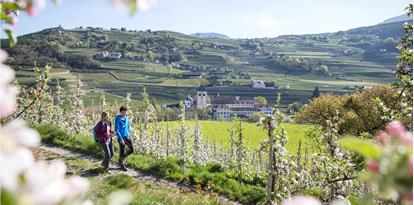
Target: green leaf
{"points": [[11, 36], [10, 6], [361, 146], [133, 9]]}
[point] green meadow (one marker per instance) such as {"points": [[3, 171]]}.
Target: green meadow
{"points": [[219, 131]]}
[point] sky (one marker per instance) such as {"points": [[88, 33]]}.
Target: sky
{"points": [[235, 18]]}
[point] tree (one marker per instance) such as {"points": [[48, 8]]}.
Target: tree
{"points": [[261, 100], [257, 116], [315, 93], [359, 111], [294, 107]]}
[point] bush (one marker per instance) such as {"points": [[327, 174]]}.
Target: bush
{"points": [[358, 111]]}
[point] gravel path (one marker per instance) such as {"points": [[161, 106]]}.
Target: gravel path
{"points": [[115, 169]]}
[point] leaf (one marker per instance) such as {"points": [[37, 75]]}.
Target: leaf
{"points": [[11, 36], [133, 9], [11, 6], [361, 146]]}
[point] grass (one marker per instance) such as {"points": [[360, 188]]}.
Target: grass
{"points": [[143, 192], [210, 176], [219, 131]]}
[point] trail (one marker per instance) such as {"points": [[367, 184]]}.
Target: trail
{"points": [[114, 169]]}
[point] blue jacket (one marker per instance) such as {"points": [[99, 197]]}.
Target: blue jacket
{"points": [[122, 126]]}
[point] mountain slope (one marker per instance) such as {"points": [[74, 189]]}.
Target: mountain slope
{"points": [[399, 18], [210, 35]]}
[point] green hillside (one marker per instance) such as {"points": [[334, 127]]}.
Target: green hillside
{"points": [[335, 62]]}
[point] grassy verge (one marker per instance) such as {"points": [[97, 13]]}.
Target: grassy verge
{"points": [[143, 192], [210, 177]]}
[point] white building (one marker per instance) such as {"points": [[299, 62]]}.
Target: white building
{"points": [[189, 102], [203, 100], [258, 84]]}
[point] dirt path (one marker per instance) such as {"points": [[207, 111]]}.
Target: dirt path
{"points": [[49, 152]]}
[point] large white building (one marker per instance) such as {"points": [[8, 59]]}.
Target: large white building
{"points": [[225, 107]]}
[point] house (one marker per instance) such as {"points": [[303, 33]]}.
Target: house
{"points": [[258, 84], [107, 55], [262, 84], [189, 102]]}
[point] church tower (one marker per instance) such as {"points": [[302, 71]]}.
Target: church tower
{"points": [[203, 100]]}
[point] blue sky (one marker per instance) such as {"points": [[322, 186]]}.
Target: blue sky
{"points": [[235, 18]]}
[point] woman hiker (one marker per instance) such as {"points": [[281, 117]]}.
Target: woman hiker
{"points": [[104, 133], [122, 129]]}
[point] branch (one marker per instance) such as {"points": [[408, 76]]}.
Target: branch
{"points": [[33, 102], [340, 179], [398, 98]]}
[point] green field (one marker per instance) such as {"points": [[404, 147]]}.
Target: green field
{"points": [[219, 131]]}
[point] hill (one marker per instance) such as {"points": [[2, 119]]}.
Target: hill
{"points": [[210, 35], [400, 18], [118, 61]]}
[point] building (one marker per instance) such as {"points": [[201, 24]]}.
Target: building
{"points": [[189, 102], [258, 84], [107, 55], [225, 107], [262, 84], [203, 100]]}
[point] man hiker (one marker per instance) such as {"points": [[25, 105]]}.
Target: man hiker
{"points": [[122, 130]]}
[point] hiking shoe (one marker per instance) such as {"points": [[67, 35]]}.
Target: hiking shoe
{"points": [[123, 168]]}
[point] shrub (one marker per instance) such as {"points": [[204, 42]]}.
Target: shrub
{"points": [[358, 111]]}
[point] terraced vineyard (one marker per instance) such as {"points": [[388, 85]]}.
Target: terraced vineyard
{"points": [[350, 65]]}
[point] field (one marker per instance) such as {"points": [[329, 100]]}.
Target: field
{"points": [[219, 131]]}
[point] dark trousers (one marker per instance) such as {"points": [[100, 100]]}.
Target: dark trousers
{"points": [[109, 152], [122, 153]]}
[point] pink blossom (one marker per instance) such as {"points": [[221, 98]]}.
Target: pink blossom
{"points": [[30, 11], [373, 166], [408, 197], [395, 129], [301, 200], [382, 137], [406, 138]]}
